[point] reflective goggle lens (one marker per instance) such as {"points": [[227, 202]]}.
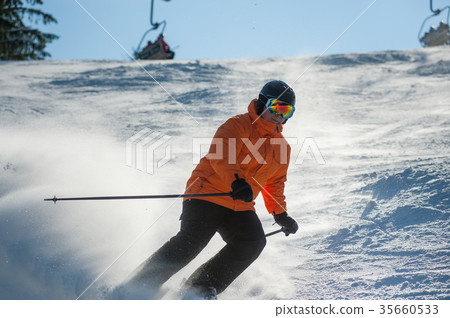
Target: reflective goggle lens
{"points": [[278, 107]]}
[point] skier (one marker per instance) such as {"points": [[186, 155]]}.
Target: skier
{"points": [[248, 155]]}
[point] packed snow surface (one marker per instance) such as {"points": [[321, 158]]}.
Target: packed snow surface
{"points": [[368, 181]]}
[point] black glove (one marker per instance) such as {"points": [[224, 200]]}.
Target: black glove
{"points": [[288, 224], [241, 190]]}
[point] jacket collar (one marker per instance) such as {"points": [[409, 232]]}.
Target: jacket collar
{"points": [[263, 126]]}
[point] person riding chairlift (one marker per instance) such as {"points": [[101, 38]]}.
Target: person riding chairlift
{"points": [[165, 46], [163, 53]]}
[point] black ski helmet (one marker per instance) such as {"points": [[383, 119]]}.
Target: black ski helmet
{"points": [[275, 89]]}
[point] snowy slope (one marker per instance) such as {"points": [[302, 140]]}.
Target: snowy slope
{"points": [[374, 218]]}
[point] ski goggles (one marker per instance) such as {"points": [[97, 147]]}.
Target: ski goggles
{"points": [[278, 107]]}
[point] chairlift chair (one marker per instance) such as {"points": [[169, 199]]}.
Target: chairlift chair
{"points": [[436, 36], [157, 50]]}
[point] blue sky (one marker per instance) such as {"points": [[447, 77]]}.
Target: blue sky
{"points": [[211, 29]]}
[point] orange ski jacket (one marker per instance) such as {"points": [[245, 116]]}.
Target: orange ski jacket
{"points": [[252, 148]]}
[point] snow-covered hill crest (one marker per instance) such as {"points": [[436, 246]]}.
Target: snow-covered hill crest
{"points": [[374, 219]]}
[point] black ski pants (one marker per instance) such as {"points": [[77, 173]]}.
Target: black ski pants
{"points": [[200, 220]]}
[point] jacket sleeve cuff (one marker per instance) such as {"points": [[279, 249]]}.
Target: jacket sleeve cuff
{"points": [[278, 211]]}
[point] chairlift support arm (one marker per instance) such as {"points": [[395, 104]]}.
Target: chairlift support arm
{"points": [[437, 11], [155, 25]]}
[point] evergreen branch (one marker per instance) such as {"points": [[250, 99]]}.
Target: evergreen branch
{"points": [[18, 41]]}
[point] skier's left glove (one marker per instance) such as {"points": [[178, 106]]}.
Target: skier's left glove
{"points": [[288, 224]]}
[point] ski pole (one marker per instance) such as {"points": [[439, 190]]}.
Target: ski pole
{"points": [[157, 196]]}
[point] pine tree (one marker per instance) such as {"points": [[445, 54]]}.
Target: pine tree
{"points": [[18, 41]]}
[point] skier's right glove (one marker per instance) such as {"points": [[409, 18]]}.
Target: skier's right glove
{"points": [[288, 224], [241, 190]]}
